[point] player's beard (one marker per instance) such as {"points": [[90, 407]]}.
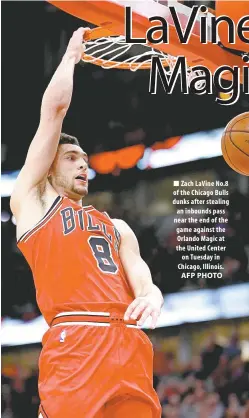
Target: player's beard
{"points": [[80, 190], [69, 185]]}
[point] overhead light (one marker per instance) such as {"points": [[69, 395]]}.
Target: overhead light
{"points": [[5, 216]]}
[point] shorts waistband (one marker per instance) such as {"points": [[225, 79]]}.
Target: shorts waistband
{"points": [[91, 318]]}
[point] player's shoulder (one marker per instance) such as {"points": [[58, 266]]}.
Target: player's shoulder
{"points": [[119, 223], [123, 228]]}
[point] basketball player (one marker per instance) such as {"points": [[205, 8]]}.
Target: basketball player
{"points": [[92, 286]]}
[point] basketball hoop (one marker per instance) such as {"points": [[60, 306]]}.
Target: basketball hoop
{"points": [[112, 52]]}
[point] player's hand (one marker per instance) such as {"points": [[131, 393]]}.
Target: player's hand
{"points": [[143, 307], [76, 46]]}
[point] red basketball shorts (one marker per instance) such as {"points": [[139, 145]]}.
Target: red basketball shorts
{"points": [[96, 370]]}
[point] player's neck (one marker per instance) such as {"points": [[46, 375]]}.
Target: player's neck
{"points": [[75, 198], [78, 202]]}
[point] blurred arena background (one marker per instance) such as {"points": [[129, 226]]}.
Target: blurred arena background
{"points": [[138, 145]]}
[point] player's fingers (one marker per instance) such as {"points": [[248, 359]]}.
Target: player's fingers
{"points": [[131, 308], [146, 313], [78, 34], [138, 310], [154, 315], [85, 33]]}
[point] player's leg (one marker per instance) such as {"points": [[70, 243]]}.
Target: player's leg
{"points": [[135, 395], [76, 374]]}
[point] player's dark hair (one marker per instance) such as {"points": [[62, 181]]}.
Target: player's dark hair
{"points": [[68, 139]]}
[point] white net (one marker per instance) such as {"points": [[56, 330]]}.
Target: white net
{"points": [[116, 53], [113, 52]]}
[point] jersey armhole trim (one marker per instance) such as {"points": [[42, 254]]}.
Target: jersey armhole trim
{"points": [[116, 231], [46, 217], [42, 413], [108, 216]]}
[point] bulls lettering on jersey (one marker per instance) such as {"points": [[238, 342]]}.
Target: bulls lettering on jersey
{"points": [[100, 245], [73, 253]]}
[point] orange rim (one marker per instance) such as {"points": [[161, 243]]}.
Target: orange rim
{"points": [[98, 32]]}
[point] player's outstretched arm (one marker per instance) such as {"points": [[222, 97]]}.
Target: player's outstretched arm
{"points": [[55, 103], [148, 298]]}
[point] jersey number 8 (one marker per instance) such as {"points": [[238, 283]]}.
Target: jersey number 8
{"points": [[102, 252]]}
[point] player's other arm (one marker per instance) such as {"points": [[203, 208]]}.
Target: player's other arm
{"points": [[148, 298], [55, 103]]}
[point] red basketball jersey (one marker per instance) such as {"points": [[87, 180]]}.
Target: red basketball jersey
{"points": [[73, 253]]}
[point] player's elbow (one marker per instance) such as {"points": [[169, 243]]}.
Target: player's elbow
{"points": [[61, 108], [56, 109]]}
